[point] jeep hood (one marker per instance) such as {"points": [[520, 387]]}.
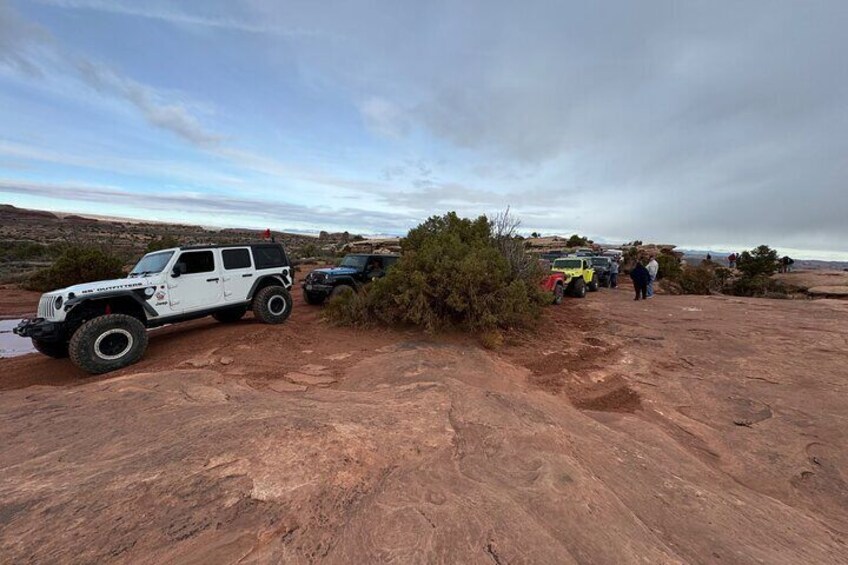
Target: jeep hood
{"points": [[113, 285], [569, 272], [332, 271]]}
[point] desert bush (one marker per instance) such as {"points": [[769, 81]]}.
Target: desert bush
{"points": [[759, 261], [22, 251], [670, 267], [759, 285], [76, 265], [492, 339], [699, 280], [162, 242], [452, 274]]}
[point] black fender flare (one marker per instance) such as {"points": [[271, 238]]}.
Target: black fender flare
{"points": [[280, 279], [136, 295]]}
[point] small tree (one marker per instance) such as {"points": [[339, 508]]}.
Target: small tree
{"points": [[453, 273], [669, 267], [576, 241], [759, 261]]}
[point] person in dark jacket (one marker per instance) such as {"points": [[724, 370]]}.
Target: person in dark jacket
{"points": [[641, 277]]}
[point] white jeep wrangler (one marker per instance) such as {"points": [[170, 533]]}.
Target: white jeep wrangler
{"points": [[102, 325]]}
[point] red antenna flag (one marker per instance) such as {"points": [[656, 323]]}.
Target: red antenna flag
{"points": [[266, 234]]}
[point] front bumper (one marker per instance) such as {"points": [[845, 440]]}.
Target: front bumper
{"points": [[40, 329], [313, 288]]}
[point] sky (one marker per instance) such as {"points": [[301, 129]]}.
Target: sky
{"points": [[718, 124]]}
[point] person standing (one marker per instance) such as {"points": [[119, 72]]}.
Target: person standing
{"points": [[640, 277], [731, 260], [614, 273], [653, 268]]}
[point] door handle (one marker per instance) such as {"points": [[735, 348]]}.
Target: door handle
{"points": [[212, 280], [247, 275]]}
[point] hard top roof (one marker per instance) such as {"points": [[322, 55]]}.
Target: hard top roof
{"points": [[372, 255], [223, 245]]}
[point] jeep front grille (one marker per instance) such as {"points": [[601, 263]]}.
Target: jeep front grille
{"points": [[45, 306]]}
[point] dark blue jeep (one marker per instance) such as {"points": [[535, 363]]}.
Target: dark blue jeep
{"points": [[353, 272]]}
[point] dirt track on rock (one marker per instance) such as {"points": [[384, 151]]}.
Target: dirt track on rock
{"points": [[682, 429]]}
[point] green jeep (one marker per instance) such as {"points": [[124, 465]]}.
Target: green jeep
{"points": [[580, 276]]}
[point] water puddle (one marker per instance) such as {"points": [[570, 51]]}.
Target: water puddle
{"points": [[12, 345]]}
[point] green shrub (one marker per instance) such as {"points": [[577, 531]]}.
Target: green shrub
{"points": [[452, 274], [74, 266], [758, 285], [670, 267], [759, 261], [22, 251], [699, 280], [577, 241]]}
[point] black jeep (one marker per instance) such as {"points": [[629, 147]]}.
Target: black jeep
{"points": [[353, 272], [602, 266]]}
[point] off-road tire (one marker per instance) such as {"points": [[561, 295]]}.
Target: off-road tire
{"points": [[313, 299], [108, 343], [559, 292], [579, 288], [230, 315], [54, 349], [341, 289], [593, 286], [272, 305]]}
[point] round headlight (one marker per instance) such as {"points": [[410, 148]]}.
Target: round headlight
{"points": [[58, 302], [149, 291]]}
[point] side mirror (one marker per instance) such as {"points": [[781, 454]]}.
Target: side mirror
{"points": [[178, 270]]}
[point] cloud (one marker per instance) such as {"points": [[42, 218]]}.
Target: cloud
{"points": [[19, 41], [167, 14], [30, 49], [235, 210], [173, 117]]}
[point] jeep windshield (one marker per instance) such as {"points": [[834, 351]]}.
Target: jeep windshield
{"points": [[600, 262], [354, 262], [151, 264], [568, 264]]}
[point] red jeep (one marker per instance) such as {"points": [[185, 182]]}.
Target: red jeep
{"points": [[554, 282]]}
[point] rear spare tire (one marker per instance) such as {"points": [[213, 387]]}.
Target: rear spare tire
{"points": [[272, 305], [108, 343], [54, 349]]}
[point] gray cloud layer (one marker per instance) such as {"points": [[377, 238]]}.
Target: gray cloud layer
{"points": [[719, 122], [712, 122]]}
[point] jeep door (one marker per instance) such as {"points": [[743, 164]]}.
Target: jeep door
{"points": [[237, 274], [198, 285]]}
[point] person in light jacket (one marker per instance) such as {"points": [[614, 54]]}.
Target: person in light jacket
{"points": [[653, 268], [614, 267]]}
